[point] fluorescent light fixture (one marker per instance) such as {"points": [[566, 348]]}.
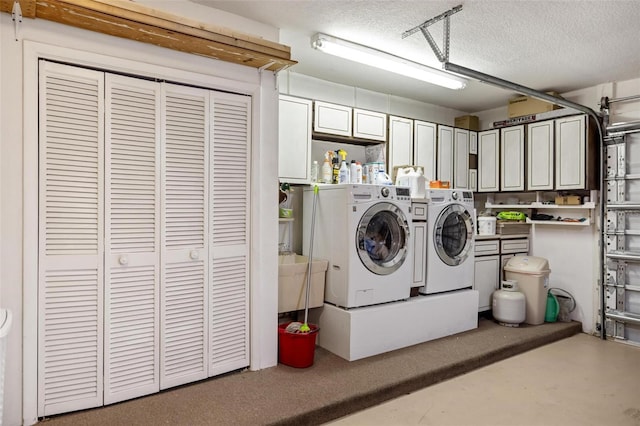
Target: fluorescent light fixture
{"points": [[386, 61]]}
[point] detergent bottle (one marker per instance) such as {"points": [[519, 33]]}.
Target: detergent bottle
{"points": [[343, 175], [358, 173], [326, 167], [335, 165], [353, 167]]}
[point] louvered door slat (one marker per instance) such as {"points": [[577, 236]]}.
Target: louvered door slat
{"points": [[70, 363], [132, 240], [230, 216], [184, 242]]}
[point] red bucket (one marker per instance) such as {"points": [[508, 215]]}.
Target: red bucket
{"points": [[296, 349]]}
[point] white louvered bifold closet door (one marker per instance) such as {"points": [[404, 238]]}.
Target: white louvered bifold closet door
{"points": [[132, 238], [185, 188], [230, 220], [70, 263]]}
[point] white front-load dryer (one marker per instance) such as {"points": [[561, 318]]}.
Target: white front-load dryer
{"points": [[450, 238], [364, 233]]}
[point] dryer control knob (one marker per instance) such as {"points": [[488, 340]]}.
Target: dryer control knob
{"points": [[454, 195], [384, 191]]}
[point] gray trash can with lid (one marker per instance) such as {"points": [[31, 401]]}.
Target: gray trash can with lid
{"points": [[532, 275]]}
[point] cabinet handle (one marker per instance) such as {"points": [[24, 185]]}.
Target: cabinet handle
{"points": [[123, 260], [194, 254]]}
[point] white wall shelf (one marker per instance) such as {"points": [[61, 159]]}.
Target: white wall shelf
{"points": [[552, 222], [539, 205]]}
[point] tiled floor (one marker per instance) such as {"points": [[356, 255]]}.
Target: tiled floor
{"points": [[581, 380]]}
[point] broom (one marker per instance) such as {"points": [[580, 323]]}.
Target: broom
{"points": [[297, 327]]}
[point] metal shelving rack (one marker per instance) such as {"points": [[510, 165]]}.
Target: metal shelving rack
{"points": [[621, 230]]}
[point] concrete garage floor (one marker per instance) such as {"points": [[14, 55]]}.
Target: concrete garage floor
{"points": [[580, 380], [333, 387]]}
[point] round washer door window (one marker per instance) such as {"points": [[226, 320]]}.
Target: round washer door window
{"points": [[381, 239], [453, 234]]}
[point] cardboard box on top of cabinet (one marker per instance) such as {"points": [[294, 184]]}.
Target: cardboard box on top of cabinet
{"points": [[526, 105], [470, 122], [568, 199]]}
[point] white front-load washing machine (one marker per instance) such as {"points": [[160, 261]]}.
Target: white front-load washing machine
{"points": [[364, 233], [450, 237]]}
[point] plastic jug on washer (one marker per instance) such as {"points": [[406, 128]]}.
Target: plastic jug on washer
{"points": [[404, 175], [418, 184]]}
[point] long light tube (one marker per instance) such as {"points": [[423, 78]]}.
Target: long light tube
{"points": [[386, 61]]}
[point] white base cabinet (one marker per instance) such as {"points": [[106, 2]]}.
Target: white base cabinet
{"points": [[487, 279], [491, 255]]}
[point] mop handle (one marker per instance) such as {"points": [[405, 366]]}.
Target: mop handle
{"points": [[313, 222]]}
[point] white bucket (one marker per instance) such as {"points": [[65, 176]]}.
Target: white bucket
{"points": [[486, 225]]}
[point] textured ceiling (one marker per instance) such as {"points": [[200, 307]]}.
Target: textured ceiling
{"points": [[544, 45]]}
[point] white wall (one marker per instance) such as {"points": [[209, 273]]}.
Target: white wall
{"points": [[18, 178], [295, 84]]}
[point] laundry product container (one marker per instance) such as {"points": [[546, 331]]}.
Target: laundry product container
{"points": [[532, 276]]}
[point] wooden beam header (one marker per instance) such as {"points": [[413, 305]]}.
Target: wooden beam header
{"points": [[130, 20]]}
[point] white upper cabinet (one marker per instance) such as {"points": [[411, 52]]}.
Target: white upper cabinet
{"points": [[512, 158], [461, 159], [333, 119], [424, 148], [400, 142], [473, 142], [369, 125], [540, 156], [294, 136], [570, 152], [445, 154], [488, 161]]}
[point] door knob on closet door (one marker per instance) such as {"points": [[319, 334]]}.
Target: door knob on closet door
{"points": [[194, 254], [123, 260]]}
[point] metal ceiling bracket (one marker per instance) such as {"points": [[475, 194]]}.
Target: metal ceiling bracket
{"points": [[442, 55], [16, 15]]}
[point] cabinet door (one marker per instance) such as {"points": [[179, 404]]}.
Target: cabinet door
{"points": [[294, 139], [540, 156], [488, 161], [512, 158], [419, 253], [473, 142], [333, 119], [71, 239], [461, 159], [184, 238], [369, 125], [445, 154], [570, 153], [230, 234], [132, 237], [424, 148], [486, 279], [473, 180], [400, 142]]}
